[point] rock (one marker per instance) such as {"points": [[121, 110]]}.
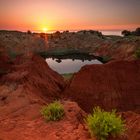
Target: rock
{"points": [[111, 47], [113, 85], [28, 85], [35, 75], [17, 43]]}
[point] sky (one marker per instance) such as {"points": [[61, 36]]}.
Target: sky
{"points": [[43, 15]]}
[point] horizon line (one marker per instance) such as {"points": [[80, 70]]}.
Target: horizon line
{"points": [[71, 30]]}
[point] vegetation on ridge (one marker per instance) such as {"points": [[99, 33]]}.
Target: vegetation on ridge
{"points": [[133, 33], [137, 53]]}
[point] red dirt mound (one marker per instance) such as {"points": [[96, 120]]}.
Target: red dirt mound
{"points": [[112, 85], [34, 74], [29, 83]]}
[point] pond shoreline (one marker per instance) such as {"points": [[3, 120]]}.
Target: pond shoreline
{"points": [[67, 65], [74, 56]]}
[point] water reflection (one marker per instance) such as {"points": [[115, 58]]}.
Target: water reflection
{"points": [[69, 65]]}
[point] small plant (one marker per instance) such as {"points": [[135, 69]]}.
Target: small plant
{"points": [[67, 76], [53, 112], [102, 124], [106, 59], [137, 53]]}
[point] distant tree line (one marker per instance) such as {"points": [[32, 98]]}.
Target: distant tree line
{"points": [[133, 33]]}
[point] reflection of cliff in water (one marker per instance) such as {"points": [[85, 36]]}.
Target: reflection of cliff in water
{"points": [[73, 56], [69, 65]]}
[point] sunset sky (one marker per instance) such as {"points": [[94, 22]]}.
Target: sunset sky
{"points": [[39, 15]]}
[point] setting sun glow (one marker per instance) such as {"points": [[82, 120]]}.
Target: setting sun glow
{"points": [[53, 15], [45, 30]]}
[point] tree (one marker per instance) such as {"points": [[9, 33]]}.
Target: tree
{"points": [[57, 34], [126, 33], [29, 32], [137, 32]]}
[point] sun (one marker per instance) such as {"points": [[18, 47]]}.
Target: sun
{"points": [[45, 29]]}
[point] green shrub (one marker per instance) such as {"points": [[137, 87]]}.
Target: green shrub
{"points": [[137, 53], [102, 124], [67, 76], [2, 71], [106, 59], [53, 111]]}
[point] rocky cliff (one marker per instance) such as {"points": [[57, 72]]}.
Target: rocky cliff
{"points": [[17, 43], [93, 42], [28, 81], [111, 85], [90, 42]]}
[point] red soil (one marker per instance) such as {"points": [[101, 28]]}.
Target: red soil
{"points": [[71, 127], [30, 84], [112, 85], [132, 121]]}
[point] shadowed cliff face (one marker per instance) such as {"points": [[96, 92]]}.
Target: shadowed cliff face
{"points": [[112, 85]]}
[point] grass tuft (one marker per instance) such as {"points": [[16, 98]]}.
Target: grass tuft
{"points": [[53, 112]]}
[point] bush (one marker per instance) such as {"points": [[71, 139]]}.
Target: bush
{"points": [[137, 53], [2, 71], [53, 111], [12, 54], [133, 33], [105, 59], [29, 32], [102, 124], [126, 33]]}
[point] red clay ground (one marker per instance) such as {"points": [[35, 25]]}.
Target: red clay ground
{"points": [[70, 127], [30, 84]]}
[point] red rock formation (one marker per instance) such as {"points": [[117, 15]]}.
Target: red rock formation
{"points": [[35, 75], [28, 85], [112, 85], [121, 49]]}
